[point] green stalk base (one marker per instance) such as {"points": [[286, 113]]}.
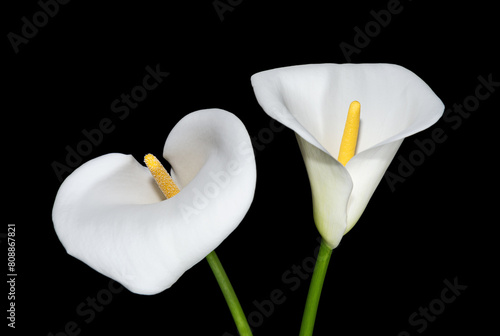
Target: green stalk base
{"points": [[229, 294], [315, 288]]}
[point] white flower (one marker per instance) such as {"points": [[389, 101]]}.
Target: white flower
{"points": [[313, 101], [110, 214]]}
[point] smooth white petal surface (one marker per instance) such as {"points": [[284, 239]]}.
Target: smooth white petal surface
{"points": [[330, 200], [313, 100], [110, 214]]}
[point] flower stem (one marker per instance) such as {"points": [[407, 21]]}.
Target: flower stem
{"points": [[314, 294], [229, 294]]}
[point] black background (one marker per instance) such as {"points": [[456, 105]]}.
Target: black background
{"points": [[435, 225]]}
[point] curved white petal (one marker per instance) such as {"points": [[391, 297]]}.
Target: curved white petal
{"points": [[330, 200], [110, 214], [313, 100], [367, 171]]}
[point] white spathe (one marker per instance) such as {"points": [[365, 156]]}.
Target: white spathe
{"points": [[313, 101], [110, 214]]}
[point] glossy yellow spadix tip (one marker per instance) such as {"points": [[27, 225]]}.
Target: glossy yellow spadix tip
{"points": [[350, 136], [161, 176]]}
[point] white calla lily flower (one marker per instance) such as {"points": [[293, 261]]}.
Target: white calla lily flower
{"points": [[313, 100], [110, 214]]}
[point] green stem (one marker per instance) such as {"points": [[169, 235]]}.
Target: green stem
{"points": [[229, 294], [314, 294]]}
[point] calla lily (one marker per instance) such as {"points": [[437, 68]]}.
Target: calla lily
{"points": [[313, 101], [110, 214]]}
